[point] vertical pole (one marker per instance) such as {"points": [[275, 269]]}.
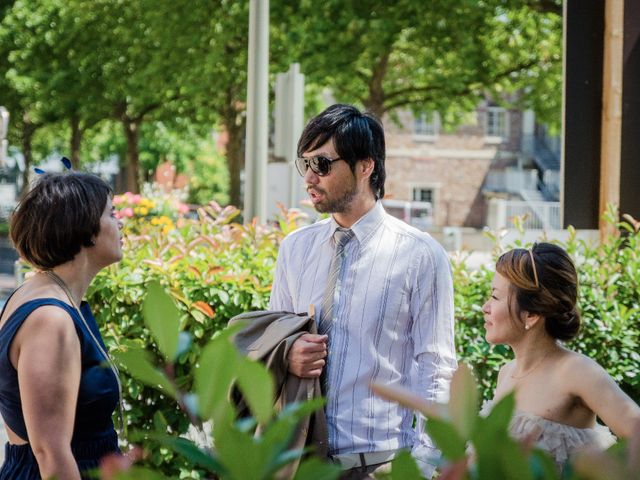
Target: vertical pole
{"points": [[255, 180], [611, 133], [296, 83]]}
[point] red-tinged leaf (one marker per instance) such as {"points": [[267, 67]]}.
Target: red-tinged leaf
{"points": [[204, 308], [194, 270], [176, 258], [455, 471]]}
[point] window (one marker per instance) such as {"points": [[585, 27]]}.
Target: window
{"points": [[427, 125], [421, 194], [496, 125]]}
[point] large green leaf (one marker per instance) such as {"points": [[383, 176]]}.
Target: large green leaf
{"points": [[136, 362], [256, 385], [447, 439], [500, 415], [316, 469], [213, 378], [241, 455], [190, 451], [163, 319], [404, 467], [463, 406]]}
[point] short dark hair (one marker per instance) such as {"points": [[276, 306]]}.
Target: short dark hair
{"points": [[57, 217], [555, 292], [356, 135]]}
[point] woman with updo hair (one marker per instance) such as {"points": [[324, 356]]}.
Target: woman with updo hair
{"points": [[558, 392]]}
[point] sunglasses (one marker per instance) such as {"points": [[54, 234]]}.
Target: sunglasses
{"points": [[320, 165]]}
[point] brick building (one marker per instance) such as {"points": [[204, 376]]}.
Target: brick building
{"points": [[490, 155]]}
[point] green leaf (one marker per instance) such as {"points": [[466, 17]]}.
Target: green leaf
{"points": [[463, 406], [139, 473], [318, 470], [256, 384], [214, 375], [501, 413], [190, 451], [137, 363], [447, 439], [404, 467], [162, 317]]}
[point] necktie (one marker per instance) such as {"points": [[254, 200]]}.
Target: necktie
{"points": [[341, 238]]}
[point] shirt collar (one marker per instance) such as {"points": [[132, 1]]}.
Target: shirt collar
{"points": [[365, 224]]}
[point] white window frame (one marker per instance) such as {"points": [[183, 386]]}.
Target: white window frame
{"points": [[426, 131], [423, 187], [491, 136]]}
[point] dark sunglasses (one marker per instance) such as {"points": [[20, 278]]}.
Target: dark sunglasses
{"points": [[320, 165]]}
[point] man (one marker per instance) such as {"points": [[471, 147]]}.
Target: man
{"points": [[382, 293]]}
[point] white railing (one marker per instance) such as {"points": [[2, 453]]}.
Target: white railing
{"points": [[511, 180], [534, 215], [418, 214]]}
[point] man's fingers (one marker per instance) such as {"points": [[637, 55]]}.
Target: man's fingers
{"points": [[313, 338]]}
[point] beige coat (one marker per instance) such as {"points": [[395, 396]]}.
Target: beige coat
{"points": [[267, 337]]}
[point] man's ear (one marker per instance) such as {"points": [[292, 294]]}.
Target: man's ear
{"points": [[366, 167]]}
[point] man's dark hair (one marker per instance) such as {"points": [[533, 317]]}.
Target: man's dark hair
{"points": [[59, 216], [356, 136]]}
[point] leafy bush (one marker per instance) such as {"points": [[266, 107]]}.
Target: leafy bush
{"points": [[214, 269]]}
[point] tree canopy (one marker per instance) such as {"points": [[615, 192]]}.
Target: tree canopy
{"points": [[76, 64]]}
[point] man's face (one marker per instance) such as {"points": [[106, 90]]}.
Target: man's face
{"points": [[334, 192]]}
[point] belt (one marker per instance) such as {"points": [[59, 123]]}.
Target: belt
{"points": [[348, 461]]}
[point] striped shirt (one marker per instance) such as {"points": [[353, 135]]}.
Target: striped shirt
{"points": [[393, 324]]}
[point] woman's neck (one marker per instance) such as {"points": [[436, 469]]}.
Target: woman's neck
{"points": [[76, 275], [532, 351]]}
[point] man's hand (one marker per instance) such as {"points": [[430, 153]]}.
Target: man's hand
{"points": [[307, 354]]}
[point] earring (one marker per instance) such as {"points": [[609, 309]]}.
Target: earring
{"points": [[92, 243], [527, 327]]}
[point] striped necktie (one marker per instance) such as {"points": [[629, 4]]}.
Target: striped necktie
{"points": [[341, 238]]}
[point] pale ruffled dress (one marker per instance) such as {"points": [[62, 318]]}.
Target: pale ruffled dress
{"points": [[559, 440]]}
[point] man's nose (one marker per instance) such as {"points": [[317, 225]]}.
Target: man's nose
{"points": [[311, 178]]}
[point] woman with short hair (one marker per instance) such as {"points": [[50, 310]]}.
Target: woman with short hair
{"points": [[558, 392], [58, 387]]}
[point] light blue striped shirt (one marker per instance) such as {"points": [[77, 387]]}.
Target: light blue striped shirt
{"points": [[393, 324]]}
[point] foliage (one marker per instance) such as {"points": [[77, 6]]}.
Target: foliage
{"points": [[220, 367], [430, 56], [145, 65], [213, 269]]}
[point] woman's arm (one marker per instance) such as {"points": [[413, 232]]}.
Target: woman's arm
{"points": [[604, 397], [49, 365]]}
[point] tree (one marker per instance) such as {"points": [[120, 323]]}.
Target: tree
{"points": [[436, 55]]}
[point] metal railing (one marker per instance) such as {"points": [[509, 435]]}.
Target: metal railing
{"points": [[533, 215]]}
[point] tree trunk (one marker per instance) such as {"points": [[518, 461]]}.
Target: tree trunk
{"points": [[374, 102], [131, 132], [75, 141], [235, 156]]}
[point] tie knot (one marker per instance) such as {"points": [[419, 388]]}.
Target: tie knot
{"points": [[342, 236]]}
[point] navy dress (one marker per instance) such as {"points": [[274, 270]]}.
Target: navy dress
{"points": [[93, 432]]}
